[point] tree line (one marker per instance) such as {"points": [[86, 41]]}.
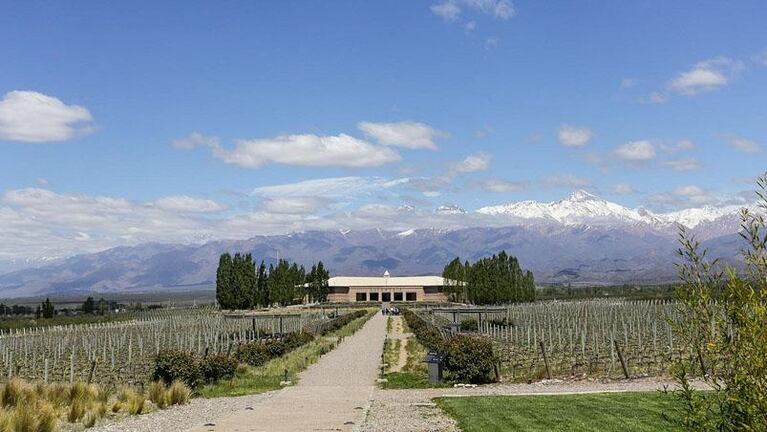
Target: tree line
{"points": [[491, 280], [241, 284]]}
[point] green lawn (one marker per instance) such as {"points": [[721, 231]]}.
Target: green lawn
{"points": [[642, 412]]}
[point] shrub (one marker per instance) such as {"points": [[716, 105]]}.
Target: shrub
{"points": [[340, 322], [136, 404], [156, 393], [12, 393], [426, 333], [470, 358], [218, 367], [469, 324], [171, 365], [178, 393], [253, 353]]}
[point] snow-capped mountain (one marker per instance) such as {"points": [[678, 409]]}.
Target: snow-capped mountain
{"points": [[582, 207], [450, 209]]}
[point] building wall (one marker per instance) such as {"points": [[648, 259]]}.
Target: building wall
{"points": [[349, 295]]}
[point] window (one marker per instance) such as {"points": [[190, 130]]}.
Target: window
{"points": [[361, 296], [374, 296], [386, 297], [397, 296], [411, 296]]}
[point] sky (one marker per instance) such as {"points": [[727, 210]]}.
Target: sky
{"points": [[128, 122]]}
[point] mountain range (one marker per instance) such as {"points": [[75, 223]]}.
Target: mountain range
{"points": [[582, 239]]}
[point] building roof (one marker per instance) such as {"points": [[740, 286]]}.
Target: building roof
{"points": [[403, 281]]}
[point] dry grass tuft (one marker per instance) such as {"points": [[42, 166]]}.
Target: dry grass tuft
{"points": [[178, 393], [158, 394]]}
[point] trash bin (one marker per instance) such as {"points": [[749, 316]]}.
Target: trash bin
{"points": [[434, 363], [455, 328]]}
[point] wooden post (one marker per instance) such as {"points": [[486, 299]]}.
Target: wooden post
{"points": [[545, 359], [620, 357], [93, 370], [702, 363]]}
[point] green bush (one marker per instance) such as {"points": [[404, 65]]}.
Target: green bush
{"points": [[253, 353], [172, 365], [470, 359], [218, 367], [469, 324], [257, 353], [425, 332], [341, 321]]}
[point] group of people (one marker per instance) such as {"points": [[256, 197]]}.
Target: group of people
{"points": [[394, 310]]}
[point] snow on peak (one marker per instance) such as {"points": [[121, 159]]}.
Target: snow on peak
{"points": [[449, 209], [583, 207], [406, 233], [582, 195]]}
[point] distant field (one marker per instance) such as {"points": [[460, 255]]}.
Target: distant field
{"points": [[603, 412]]}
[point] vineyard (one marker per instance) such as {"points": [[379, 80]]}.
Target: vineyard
{"points": [[120, 353], [597, 338]]}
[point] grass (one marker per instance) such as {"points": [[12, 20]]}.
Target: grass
{"points": [[603, 412], [267, 377], [414, 374]]}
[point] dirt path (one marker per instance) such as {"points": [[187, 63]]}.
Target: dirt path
{"points": [[397, 333], [331, 395]]}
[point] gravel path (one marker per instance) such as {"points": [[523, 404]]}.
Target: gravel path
{"points": [[332, 394], [178, 418]]}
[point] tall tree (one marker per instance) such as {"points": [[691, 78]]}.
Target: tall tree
{"points": [[48, 310], [224, 281]]}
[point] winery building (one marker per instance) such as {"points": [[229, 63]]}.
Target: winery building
{"points": [[386, 288]]}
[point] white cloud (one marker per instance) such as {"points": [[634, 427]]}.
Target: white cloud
{"points": [[574, 136], [636, 151], [473, 163], [744, 144], [407, 134], [447, 10], [307, 150], [196, 139], [627, 83], [687, 164], [451, 10], [566, 181], [334, 187], [502, 186], [501, 9], [184, 203], [706, 75], [30, 116], [295, 205], [623, 189]]}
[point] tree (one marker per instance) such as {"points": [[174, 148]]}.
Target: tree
{"points": [[224, 281], [48, 310], [491, 280], [262, 289], [723, 316], [89, 306]]}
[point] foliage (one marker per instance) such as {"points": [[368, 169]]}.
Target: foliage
{"points": [[494, 280], [470, 359], [172, 365], [337, 323], [218, 366], [242, 285], [178, 393], [47, 308], [723, 323], [427, 334], [258, 352], [604, 412], [469, 324]]}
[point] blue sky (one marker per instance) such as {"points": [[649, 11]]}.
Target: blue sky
{"points": [[121, 123]]}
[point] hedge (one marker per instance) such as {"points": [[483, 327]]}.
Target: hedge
{"points": [[468, 358]]}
